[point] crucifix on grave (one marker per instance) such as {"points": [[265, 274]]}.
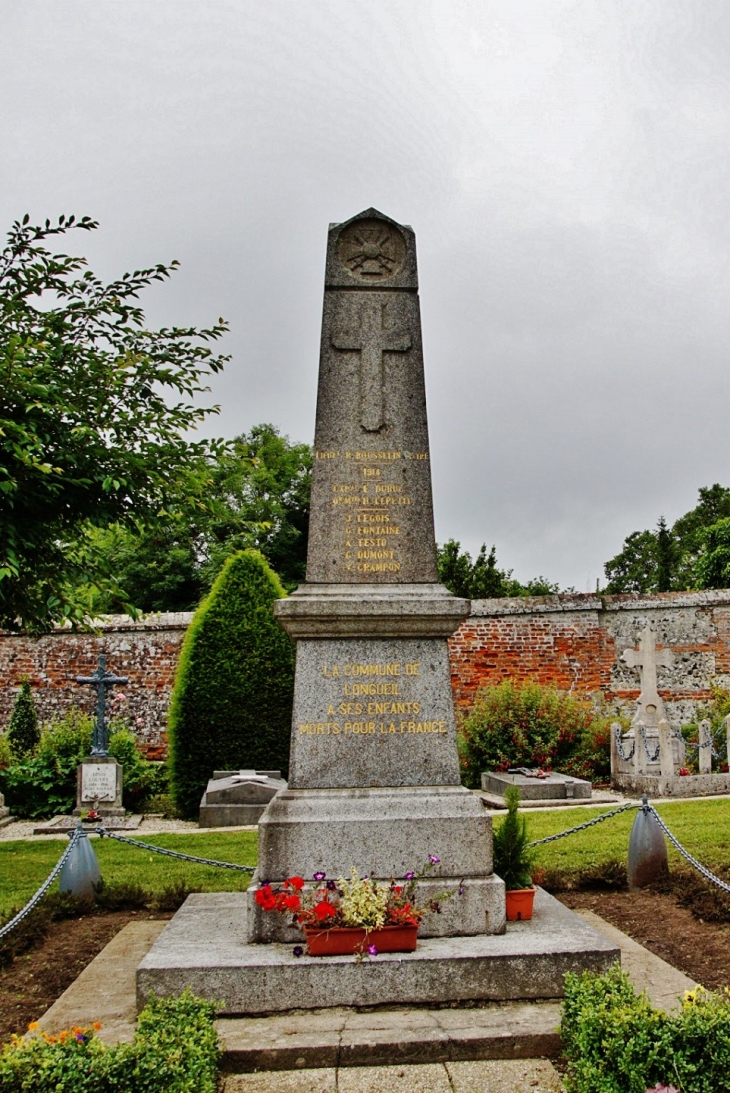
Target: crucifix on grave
{"points": [[371, 336], [99, 778], [102, 681], [649, 705]]}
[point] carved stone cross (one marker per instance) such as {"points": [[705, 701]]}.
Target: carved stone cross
{"points": [[371, 338], [649, 707], [101, 681]]}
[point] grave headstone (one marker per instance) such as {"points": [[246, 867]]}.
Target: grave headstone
{"points": [[236, 797], [374, 777], [99, 778]]}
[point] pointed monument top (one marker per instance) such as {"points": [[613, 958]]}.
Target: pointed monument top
{"points": [[371, 250]]}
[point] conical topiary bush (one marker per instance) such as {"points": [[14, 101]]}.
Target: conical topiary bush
{"points": [[23, 733], [231, 705]]}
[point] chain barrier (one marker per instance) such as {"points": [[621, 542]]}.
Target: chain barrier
{"points": [[618, 735], [708, 742], [652, 758], [104, 833], [685, 853], [587, 824], [77, 834]]}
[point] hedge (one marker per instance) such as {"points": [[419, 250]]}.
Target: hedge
{"points": [[231, 704]]}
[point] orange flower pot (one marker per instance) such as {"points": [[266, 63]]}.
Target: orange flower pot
{"points": [[519, 904], [349, 940]]}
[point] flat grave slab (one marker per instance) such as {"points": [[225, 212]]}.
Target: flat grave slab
{"points": [[549, 786], [61, 824], [203, 947]]}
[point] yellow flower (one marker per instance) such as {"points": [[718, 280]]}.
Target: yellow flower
{"points": [[32, 1026]]}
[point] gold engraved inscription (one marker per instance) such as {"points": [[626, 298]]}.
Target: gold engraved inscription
{"points": [[372, 702]]}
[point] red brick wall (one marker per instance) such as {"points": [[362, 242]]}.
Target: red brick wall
{"points": [[146, 652], [575, 642], [571, 641]]}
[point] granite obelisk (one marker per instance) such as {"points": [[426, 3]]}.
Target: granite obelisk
{"points": [[374, 776]]}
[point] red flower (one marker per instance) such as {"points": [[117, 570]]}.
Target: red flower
{"points": [[296, 882], [292, 903], [265, 898], [324, 910]]}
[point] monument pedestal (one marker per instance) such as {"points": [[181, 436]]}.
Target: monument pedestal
{"points": [[5, 817]]}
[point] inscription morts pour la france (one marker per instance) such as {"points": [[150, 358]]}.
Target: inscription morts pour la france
{"points": [[374, 776]]}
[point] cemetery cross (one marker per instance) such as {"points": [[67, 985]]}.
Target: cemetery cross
{"points": [[101, 681]]}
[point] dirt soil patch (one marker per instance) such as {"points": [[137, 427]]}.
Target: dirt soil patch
{"points": [[656, 920], [39, 976]]}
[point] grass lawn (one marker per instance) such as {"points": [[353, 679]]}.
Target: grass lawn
{"points": [[703, 827], [25, 865]]}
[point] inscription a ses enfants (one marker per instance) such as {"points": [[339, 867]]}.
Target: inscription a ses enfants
{"points": [[372, 702]]}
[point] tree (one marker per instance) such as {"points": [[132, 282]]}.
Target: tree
{"points": [[713, 564], [23, 734], [667, 559], [231, 705], [258, 497], [482, 579], [94, 408]]}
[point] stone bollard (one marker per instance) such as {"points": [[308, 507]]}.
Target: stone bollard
{"points": [[80, 873], [666, 756], [615, 731], [705, 747], [648, 860]]}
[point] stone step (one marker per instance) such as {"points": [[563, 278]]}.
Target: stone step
{"points": [[344, 1037], [203, 947]]}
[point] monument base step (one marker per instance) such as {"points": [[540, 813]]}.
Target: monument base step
{"points": [[688, 785], [6, 819], [390, 1036], [59, 825], [203, 947], [498, 803]]}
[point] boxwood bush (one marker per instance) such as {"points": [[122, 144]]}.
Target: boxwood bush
{"points": [[175, 1050], [617, 1043], [231, 705], [528, 724]]}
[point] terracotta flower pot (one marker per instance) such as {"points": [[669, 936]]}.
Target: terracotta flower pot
{"points": [[348, 940], [519, 904]]}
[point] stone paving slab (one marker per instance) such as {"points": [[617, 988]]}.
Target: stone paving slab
{"points": [[105, 989], [664, 983], [345, 1038], [504, 1076]]}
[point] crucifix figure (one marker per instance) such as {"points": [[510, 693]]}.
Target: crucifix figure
{"points": [[649, 706], [101, 681], [371, 338]]}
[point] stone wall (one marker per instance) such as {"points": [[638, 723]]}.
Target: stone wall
{"points": [[146, 652], [571, 641], [575, 642]]}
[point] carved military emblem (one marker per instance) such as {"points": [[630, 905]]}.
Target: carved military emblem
{"points": [[371, 250]]}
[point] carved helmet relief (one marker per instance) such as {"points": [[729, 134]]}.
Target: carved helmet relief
{"points": [[371, 250]]}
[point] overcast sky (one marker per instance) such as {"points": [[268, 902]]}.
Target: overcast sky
{"points": [[566, 168]]}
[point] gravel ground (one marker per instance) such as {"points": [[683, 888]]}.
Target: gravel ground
{"points": [[151, 825]]}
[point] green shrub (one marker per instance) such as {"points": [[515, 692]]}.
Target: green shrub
{"points": [[527, 724], [43, 783], [174, 1050], [23, 732], [513, 858], [142, 779], [232, 700], [616, 1043], [6, 755]]}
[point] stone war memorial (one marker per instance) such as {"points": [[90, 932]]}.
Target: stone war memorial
{"points": [[374, 778]]}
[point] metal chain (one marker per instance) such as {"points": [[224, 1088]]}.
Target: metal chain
{"points": [[77, 834], [652, 758], [174, 853], [695, 747], [587, 824], [686, 854], [618, 734]]}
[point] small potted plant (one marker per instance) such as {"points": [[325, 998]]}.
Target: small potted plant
{"points": [[352, 917], [513, 859]]}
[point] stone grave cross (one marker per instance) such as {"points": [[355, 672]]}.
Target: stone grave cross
{"points": [[101, 681], [649, 706], [372, 337]]}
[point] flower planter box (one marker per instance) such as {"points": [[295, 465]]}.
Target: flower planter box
{"points": [[348, 940], [519, 904]]}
